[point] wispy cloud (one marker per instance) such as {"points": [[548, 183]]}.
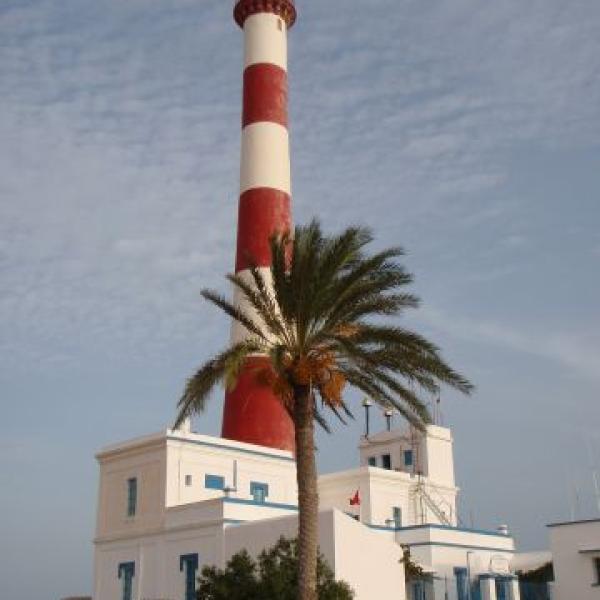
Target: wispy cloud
{"points": [[450, 127], [577, 353]]}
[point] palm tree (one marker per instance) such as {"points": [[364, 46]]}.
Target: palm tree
{"points": [[314, 318]]}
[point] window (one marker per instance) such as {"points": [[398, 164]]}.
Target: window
{"points": [[188, 565], [214, 482], [461, 583], [372, 461], [408, 458], [597, 570], [502, 588], [131, 496], [126, 574], [188, 480], [259, 491], [386, 461], [397, 516]]}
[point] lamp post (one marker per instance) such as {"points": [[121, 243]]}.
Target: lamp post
{"points": [[389, 413], [469, 591], [367, 405]]}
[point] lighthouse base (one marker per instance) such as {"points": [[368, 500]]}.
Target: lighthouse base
{"points": [[253, 413]]}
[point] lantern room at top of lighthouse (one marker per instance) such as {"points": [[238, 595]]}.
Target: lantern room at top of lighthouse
{"points": [[285, 9]]}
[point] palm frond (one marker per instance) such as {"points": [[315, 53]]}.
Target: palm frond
{"points": [[379, 395], [261, 304], [224, 366], [234, 312]]}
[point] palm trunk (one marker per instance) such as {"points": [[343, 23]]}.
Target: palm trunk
{"points": [[308, 498]]}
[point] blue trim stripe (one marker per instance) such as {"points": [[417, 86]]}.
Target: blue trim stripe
{"points": [[467, 546], [263, 504], [451, 528], [233, 448], [442, 527]]}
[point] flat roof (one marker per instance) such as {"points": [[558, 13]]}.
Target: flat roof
{"points": [[582, 521]]}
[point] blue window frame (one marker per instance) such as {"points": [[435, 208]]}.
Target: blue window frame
{"points": [[131, 496], [372, 461], [188, 565], [408, 458], [418, 590], [126, 574], [259, 491], [462, 585], [397, 516], [386, 461], [214, 482]]}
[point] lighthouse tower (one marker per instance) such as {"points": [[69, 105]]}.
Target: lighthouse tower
{"points": [[252, 413]]}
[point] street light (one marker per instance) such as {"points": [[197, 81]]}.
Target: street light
{"points": [[389, 413], [367, 405], [469, 592]]}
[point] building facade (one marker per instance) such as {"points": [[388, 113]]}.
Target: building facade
{"points": [[575, 548], [172, 502]]}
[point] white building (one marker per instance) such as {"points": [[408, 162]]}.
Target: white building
{"points": [[172, 502], [575, 550]]}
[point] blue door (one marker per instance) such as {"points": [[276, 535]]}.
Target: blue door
{"points": [[418, 590], [462, 590]]}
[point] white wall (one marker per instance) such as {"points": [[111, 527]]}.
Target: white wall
{"points": [[380, 491], [370, 563], [198, 455], [144, 460], [574, 547], [437, 456], [156, 557]]}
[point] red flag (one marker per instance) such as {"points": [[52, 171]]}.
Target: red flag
{"points": [[355, 500]]}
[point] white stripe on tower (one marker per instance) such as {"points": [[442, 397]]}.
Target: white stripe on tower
{"points": [[252, 413]]}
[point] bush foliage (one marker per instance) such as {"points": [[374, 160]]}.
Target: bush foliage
{"points": [[273, 576]]}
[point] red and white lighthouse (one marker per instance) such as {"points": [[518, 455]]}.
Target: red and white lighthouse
{"points": [[252, 413]]}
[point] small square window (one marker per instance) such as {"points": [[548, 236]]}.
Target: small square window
{"points": [[259, 491], [372, 461], [188, 480], [386, 461]]}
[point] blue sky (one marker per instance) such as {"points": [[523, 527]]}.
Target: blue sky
{"points": [[467, 131]]}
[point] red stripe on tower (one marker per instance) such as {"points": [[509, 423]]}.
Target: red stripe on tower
{"points": [[252, 413]]}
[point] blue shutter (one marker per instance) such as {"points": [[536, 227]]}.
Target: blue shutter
{"points": [[188, 563], [418, 590], [126, 573], [131, 496], [214, 482], [408, 458], [461, 583]]}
